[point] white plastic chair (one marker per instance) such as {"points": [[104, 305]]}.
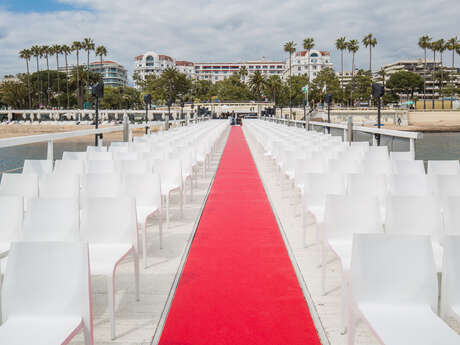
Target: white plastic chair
{"points": [[11, 215], [343, 217], [96, 149], [377, 166], [109, 226], [37, 167], [146, 189], [23, 185], [101, 186], [101, 167], [134, 166], [408, 167], [125, 155], [46, 297], [74, 167], [74, 155], [377, 153], [401, 156], [99, 156], [345, 166], [451, 215], [416, 215], [370, 186], [52, 220], [444, 167], [394, 289], [59, 185], [170, 172], [447, 185], [450, 287], [410, 185]]}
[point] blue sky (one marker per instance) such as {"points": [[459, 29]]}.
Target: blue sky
{"points": [[40, 6], [222, 30]]}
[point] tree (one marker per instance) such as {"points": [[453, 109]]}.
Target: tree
{"points": [[424, 43], [370, 41], [308, 45], [452, 45], [326, 79], [77, 46], [361, 84], [353, 47], [26, 54], [88, 46], [14, 94], [405, 82], [440, 46], [341, 44], [66, 50], [434, 48], [231, 89], [168, 86], [243, 73], [37, 53], [272, 87], [101, 51], [46, 53], [57, 50], [256, 82], [289, 47], [200, 90]]}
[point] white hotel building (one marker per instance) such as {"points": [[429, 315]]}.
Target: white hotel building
{"points": [[153, 63]]}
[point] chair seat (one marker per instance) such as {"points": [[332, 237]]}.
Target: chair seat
{"points": [[104, 257], [403, 325], [317, 212], [144, 211], [39, 330]]}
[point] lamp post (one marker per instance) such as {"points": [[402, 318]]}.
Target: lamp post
{"points": [[192, 106], [97, 90], [147, 101], [377, 92], [328, 100]]}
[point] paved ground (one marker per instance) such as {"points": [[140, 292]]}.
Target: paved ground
{"points": [[286, 205], [137, 321]]}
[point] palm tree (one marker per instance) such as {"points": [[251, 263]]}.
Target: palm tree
{"points": [[370, 41], [424, 43], [77, 46], [289, 47], [353, 47], [26, 54], [434, 48], [256, 83], [442, 46], [452, 45], [88, 46], [308, 45], [341, 44], [46, 53], [57, 49], [243, 73], [272, 85], [66, 50], [101, 51], [37, 53]]}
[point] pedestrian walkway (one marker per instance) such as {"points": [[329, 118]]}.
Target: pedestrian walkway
{"points": [[238, 285]]}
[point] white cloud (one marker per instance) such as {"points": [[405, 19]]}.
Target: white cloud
{"points": [[216, 30]]}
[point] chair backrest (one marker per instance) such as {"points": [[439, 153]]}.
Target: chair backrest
{"points": [[444, 167], [134, 166], [170, 172], [74, 166], [126, 155], [118, 148], [101, 186], [401, 156], [447, 185], [393, 270], [415, 215], [25, 185], [377, 166], [74, 155], [37, 167], [377, 153], [48, 279], [99, 156], [345, 215], [109, 220], [451, 215], [96, 149], [11, 215], [317, 186], [408, 167], [450, 295], [59, 185], [367, 185], [345, 166], [139, 147], [101, 167], [410, 185], [145, 188], [52, 220]]}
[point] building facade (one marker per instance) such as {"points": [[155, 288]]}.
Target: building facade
{"points": [[151, 63], [113, 74], [311, 65]]}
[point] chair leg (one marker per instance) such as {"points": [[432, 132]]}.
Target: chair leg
{"points": [[191, 188], [167, 211], [344, 305], [323, 268], [144, 242], [111, 304], [87, 335], [182, 194], [160, 229], [352, 323], [136, 273]]}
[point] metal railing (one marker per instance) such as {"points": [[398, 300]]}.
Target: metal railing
{"points": [[349, 128]]}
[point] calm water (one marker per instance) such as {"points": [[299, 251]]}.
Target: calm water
{"points": [[433, 146]]}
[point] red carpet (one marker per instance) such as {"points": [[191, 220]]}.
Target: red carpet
{"points": [[238, 285]]}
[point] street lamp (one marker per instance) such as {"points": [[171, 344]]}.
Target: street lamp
{"points": [[97, 90], [328, 100], [192, 106], [377, 92], [147, 101]]}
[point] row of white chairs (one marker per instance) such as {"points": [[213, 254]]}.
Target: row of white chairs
{"points": [[359, 189]]}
